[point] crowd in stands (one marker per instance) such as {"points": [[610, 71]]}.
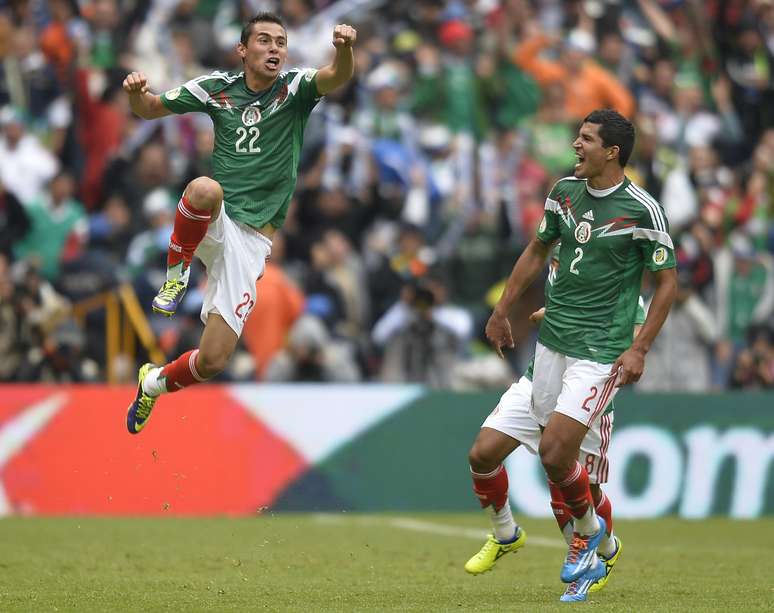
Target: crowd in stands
{"points": [[420, 183]]}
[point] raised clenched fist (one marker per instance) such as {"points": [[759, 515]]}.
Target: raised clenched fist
{"points": [[136, 83], [344, 36]]}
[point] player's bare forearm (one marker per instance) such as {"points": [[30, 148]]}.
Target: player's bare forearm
{"points": [[666, 290], [338, 72], [527, 267], [143, 103]]}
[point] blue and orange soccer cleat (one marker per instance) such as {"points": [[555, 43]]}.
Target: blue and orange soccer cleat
{"points": [[169, 297], [140, 409], [582, 554], [579, 589]]}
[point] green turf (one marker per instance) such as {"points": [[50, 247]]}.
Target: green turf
{"points": [[359, 563]]}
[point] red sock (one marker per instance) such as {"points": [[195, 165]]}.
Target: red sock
{"points": [[605, 511], [575, 491], [491, 488], [561, 510], [189, 230], [182, 372]]}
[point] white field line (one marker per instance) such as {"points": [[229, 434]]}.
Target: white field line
{"points": [[416, 525]]}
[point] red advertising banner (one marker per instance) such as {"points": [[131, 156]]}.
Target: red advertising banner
{"points": [[66, 450]]}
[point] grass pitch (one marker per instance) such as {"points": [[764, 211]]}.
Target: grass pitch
{"points": [[345, 562]]}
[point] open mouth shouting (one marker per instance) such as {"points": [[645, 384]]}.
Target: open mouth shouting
{"points": [[579, 156], [272, 64]]}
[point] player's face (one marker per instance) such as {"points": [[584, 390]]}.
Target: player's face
{"points": [[266, 50], [591, 153]]}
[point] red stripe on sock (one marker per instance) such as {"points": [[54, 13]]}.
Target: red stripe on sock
{"points": [[491, 489], [189, 230]]}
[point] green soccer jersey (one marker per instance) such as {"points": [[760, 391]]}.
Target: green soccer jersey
{"points": [[607, 238], [258, 137], [639, 319]]}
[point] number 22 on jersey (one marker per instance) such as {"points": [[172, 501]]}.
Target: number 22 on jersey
{"points": [[251, 146]]}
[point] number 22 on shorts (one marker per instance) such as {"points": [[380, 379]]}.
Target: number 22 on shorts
{"points": [[244, 308]]}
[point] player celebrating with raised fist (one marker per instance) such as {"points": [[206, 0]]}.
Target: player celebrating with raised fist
{"points": [[259, 116]]}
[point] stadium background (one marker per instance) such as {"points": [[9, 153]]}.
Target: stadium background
{"points": [[363, 374]]}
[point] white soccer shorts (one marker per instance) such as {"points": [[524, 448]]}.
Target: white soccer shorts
{"points": [[512, 416], [235, 256]]}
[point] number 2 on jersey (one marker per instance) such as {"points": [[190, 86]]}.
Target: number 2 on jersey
{"points": [[252, 144], [578, 257]]}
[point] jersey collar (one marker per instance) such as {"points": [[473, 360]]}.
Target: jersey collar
{"points": [[601, 193]]}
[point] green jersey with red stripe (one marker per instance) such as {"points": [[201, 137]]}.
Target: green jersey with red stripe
{"points": [[608, 237], [258, 137]]}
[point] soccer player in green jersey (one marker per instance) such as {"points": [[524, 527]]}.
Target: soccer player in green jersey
{"points": [[511, 425], [259, 116], [610, 229]]}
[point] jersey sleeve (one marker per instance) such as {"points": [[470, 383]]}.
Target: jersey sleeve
{"points": [[188, 98], [304, 87], [652, 233], [548, 230], [639, 316]]}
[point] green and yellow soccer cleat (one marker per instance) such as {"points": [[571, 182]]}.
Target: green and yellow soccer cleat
{"points": [[609, 564], [140, 410], [492, 551]]}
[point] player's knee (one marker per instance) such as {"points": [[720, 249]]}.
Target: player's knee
{"points": [[553, 458], [204, 193], [481, 459], [212, 363]]}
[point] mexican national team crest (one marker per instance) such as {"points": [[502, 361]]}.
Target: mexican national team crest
{"points": [[251, 115], [583, 232]]}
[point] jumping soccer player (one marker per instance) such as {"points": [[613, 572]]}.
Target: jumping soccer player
{"points": [[259, 116]]}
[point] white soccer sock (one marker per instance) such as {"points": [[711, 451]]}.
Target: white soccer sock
{"points": [[588, 524], [607, 545], [154, 384], [503, 525], [567, 532], [179, 271]]}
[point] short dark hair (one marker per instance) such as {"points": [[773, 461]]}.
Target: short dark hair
{"points": [[614, 129], [263, 16]]}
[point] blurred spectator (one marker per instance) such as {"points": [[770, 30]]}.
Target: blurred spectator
{"points": [[312, 355], [422, 340], [58, 227], [745, 297], [26, 165], [754, 368], [679, 360], [587, 86]]}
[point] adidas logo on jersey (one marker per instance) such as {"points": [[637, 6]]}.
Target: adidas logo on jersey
{"points": [[589, 215]]}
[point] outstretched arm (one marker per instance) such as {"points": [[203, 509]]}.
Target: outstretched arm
{"points": [[342, 68], [527, 267], [142, 102]]}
